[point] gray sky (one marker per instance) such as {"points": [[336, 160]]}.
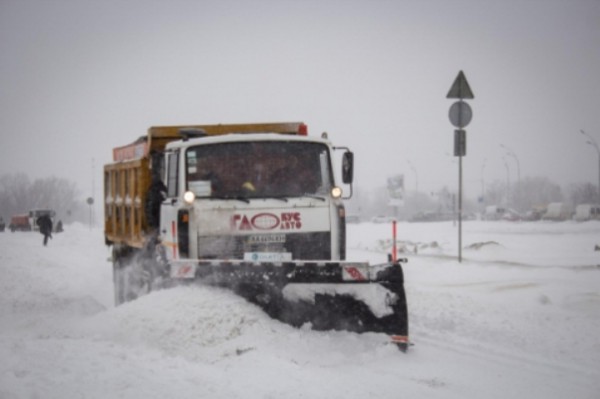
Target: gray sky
{"points": [[78, 78]]}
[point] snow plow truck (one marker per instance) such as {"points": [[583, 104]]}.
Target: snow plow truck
{"points": [[254, 208]]}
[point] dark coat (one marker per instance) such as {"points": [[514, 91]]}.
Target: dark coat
{"points": [[156, 195], [45, 224]]}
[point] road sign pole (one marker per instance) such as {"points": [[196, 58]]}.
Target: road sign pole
{"points": [[460, 115], [460, 179]]}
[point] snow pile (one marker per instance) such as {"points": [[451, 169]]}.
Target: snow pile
{"points": [[196, 322], [516, 319]]}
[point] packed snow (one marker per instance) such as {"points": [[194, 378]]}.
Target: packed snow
{"points": [[518, 318]]}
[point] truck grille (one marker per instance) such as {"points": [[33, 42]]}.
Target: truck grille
{"points": [[310, 246]]}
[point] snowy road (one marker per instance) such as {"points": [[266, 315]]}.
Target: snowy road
{"points": [[519, 318]]}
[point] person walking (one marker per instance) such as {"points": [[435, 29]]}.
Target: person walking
{"points": [[45, 224]]}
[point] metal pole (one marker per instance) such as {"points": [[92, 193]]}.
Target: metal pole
{"points": [[594, 144], [460, 209], [416, 176], [483, 179], [507, 182], [92, 221], [517, 196], [394, 248], [483, 187]]}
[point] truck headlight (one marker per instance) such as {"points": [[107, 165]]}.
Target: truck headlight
{"points": [[336, 192], [189, 197]]}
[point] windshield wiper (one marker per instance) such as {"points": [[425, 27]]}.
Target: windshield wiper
{"points": [[230, 197], [278, 197], [319, 197], [246, 199]]}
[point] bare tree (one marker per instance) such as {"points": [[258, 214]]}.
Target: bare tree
{"points": [[533, 192], [14, 194], [582, 194], [19, 195], [496, 193], [536, 191]]}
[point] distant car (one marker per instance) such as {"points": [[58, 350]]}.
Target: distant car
{"points": [[557, 211], [533, 215], [585, 212], [511, 215], [382, 219], [19, 223], [434, 216], [352, 219], [493, 212]]}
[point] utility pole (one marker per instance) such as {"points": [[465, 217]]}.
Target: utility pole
{"points": [[594, 144], [517, 196], [483, 182], [416, 177], [507, 182]]}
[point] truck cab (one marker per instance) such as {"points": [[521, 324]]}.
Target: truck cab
{"points": [[253, 197]]}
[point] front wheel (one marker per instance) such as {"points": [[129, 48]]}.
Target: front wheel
{"points": [[136, 272], [130, 278]]}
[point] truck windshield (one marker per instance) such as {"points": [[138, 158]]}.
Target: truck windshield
{"points": [[258, 169]]}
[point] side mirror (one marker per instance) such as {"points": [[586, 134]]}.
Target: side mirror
{"points": [[348, 167]]}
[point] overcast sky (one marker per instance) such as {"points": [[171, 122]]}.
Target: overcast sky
{"points": [[78, 78]]}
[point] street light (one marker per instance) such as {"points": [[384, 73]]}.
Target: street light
{"points": [[507, 182], [416, 176], [594, 144], [482, 181], [511, 153]]}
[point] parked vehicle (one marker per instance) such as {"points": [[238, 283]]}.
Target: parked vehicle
{"points": [[352, 219], [383, 219], [534, 215], [493, 212], [557, 211], [511, 215], [585, 212], [19, 223], [434, 216]]}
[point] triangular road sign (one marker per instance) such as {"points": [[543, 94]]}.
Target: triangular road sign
{"points": [[460, 88]]}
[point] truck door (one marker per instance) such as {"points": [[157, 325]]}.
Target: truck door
{"points": [[170, 206]]}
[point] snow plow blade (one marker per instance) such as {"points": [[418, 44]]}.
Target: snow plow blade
{"points": [[329, 295]]}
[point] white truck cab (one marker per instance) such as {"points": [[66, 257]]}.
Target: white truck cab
{"points": [[253, 197]]}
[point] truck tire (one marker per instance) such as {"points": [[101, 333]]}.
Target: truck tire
{"points": [[137, 272], [129, 277], [118, 280], [119, 276]]}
